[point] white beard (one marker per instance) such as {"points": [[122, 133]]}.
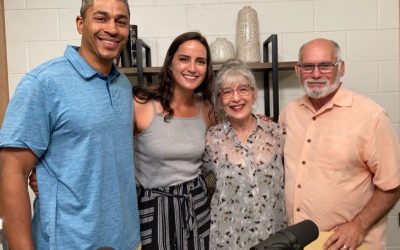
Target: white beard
{"points": [[317, 93]]}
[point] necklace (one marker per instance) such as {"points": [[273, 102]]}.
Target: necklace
{"points": [[243, 136]]}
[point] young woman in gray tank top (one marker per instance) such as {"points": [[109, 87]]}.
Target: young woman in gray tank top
{"points": [[171, 120]]}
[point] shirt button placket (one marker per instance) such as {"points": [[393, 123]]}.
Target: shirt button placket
{"points": [[113, 90]]}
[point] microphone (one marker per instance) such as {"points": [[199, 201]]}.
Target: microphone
{"points": [[295, 237]]}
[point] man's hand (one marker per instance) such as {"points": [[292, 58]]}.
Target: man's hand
{"points": [[264, 117], [347, 236], [352, 234]]}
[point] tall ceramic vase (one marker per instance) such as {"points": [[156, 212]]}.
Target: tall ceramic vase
{"points": [[247, 36]]}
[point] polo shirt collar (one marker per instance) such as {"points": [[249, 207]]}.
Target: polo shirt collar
{"points": [[82, 66]]}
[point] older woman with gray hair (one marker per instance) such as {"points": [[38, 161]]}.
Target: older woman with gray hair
{"points": [[245, 154]]}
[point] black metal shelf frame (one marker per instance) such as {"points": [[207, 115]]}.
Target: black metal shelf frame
{"points": [[273, 41], [140, 45]]}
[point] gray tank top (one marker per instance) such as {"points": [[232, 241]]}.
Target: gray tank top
{"points": [[169, 153]]}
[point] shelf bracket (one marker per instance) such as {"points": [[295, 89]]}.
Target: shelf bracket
{"points": [[140, 44], [273, 40]]}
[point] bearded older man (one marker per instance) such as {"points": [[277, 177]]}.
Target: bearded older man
{"points": [[342, 157]]}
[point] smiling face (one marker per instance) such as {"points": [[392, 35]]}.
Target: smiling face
{"points": [[319, 85], [237, 97], [104, 29], [189, 65]]}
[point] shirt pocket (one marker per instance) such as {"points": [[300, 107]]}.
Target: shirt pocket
{"points": [[334, 152]]}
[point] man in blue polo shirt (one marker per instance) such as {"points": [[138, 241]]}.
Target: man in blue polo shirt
{"points": [[71, 120]]}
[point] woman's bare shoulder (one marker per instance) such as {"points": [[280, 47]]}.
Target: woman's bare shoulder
{"points": [[143, 113]]}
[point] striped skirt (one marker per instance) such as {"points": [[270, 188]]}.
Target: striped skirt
{"points": [[175, 217]]}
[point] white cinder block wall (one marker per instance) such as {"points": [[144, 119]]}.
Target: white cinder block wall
{"points": [[367, 30]]}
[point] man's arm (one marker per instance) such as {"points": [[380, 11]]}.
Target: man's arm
{"points": [[352, 234], [15, 166]]}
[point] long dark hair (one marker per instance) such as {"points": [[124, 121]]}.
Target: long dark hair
{"points": [[163, 91]]}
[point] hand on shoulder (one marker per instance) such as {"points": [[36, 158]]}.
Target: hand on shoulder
{"points": [[264, 117]]}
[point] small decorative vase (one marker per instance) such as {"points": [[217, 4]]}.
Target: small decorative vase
{"points": [[222, 50], [247, 36]]}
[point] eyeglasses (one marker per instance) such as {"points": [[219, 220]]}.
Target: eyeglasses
{"points": [[323, 67], [242, 90]]}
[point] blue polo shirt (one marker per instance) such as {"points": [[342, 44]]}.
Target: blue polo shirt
{"points": [[78, 123]]}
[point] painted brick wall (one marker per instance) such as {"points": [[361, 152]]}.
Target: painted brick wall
{"points": [[367, 31]]}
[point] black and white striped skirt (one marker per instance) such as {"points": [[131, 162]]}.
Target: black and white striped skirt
{"points": [[175, 217]]}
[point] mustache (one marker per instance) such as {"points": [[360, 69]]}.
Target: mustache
{"points": [[316, 81]]}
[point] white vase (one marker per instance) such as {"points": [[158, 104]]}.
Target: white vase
{"points": [[247, 36], [222, 50]]}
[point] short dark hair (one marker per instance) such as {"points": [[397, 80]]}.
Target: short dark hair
{"points": [[86, 4]]}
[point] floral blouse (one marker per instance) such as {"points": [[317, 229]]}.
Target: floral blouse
{"points": [[248, 203]]}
